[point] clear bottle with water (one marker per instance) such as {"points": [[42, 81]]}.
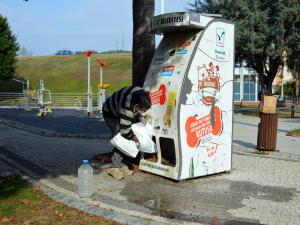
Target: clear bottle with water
{"points": [[85, 179]]}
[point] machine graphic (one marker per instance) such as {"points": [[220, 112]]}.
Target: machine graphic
{"points": [[191, 113], [209, 83]]}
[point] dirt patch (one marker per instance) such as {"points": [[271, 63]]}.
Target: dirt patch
{"points": [[293, 133]]}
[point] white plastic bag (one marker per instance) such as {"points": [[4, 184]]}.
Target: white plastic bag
{"points": [[128, 147], [142, 133]]}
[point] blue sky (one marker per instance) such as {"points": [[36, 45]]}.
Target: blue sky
{"points": [[45, 26]]}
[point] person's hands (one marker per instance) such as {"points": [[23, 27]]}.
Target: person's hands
{"points": [[134, 138]]}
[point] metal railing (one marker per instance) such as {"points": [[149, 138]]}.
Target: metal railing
{"points": [[12, 100], [58, 100]]}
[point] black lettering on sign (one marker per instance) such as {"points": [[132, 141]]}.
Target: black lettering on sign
{"points": [[173, 19]]}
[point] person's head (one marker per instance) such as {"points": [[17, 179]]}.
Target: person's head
{"points": [[140, 102]]}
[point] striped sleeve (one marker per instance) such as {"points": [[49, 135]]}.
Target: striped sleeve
{"points": [[126, 120]]}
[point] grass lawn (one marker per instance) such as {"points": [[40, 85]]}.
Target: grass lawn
{"points": [[296, 130], [69, 73], [20, 203]]}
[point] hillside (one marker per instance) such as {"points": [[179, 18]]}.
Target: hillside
{"points": [[69, 73]]}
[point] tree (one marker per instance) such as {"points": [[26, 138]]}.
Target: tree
{"points": [[24, 52], [264, 30], [143, 46], [293, 62], [293, 50], [8, 50]]}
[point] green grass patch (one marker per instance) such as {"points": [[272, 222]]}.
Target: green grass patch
{"points": [[69, 73], [261, 153], [295, 130], [20, 204], [14, 190]]}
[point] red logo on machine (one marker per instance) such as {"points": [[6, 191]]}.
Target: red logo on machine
{"points": [[167, 70], [159, 96], [208, 82], [196, 129], [185, 44]]}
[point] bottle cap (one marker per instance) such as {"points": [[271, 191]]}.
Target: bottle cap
{"points": [[85, 161]]}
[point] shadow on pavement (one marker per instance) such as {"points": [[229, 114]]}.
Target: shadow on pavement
{"points": [[245, 144]]}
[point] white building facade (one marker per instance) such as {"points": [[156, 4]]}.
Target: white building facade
{"points": [[245, 84]]}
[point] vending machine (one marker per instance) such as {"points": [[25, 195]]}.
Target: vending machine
{"points": [[190, 82]]}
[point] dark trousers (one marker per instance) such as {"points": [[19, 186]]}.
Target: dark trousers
{"points": [[114, 124]]}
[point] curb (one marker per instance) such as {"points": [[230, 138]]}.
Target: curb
{"points": [[48, 133], [88, 205], [279, 156]]}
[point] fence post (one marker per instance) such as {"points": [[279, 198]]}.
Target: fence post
{"points": [[27, 104]]}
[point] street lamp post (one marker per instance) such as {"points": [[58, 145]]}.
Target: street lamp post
{"points": [[281, 76], [162, 10], [27, 104], [101, 87], [88, 53]]}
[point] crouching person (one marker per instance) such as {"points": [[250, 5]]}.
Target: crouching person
{"points": [[120, 111]]}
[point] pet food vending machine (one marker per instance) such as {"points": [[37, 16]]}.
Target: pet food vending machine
{"points": [[190, 82]]}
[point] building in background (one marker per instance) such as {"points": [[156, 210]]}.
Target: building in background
{"points": [[283, 74], [64, 52], [246, 84]]}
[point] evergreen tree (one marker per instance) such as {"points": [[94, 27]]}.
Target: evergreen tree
{"points": [[8, 50], [264, 31]]}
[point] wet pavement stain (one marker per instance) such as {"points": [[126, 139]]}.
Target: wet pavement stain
{"points": [[201, 201]]}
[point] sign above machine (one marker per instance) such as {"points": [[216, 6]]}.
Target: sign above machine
{"points": [[175, 22]]}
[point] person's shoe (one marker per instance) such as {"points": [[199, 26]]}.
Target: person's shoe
{"points": [[126, 171], [116, 173]]}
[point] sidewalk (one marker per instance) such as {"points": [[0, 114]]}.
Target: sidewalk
{"points": [[245, 136], [258, 190]]}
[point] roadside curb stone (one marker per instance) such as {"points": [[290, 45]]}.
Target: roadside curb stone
{"points": [[269, 154]]}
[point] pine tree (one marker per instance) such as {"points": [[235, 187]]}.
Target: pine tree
{"points": [[8, 50], [264, 32]]}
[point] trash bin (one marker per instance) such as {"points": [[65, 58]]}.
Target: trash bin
{"points": [[267, 131]]}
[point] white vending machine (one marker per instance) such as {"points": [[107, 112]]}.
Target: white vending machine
{"points": [[190, 82]]}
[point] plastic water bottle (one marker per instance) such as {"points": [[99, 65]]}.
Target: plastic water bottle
{"points": [[85, 179]]}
